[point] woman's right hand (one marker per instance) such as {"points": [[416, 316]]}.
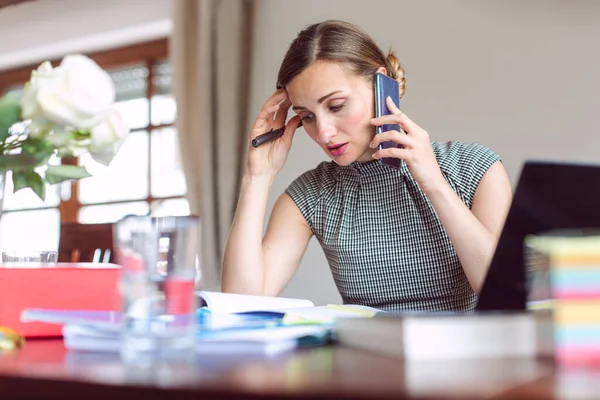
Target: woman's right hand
{"points": [[270, 157]]}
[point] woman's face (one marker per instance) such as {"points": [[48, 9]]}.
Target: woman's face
{"points": [[336, 107]]}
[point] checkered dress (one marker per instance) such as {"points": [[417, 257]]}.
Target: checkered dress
{"points": [[383, 240]]}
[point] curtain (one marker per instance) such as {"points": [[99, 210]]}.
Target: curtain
{"points": [[210, 51]]}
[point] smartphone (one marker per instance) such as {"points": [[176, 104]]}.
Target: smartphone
{"points": [[385, 86]]}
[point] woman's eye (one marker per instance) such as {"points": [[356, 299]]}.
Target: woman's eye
{"points": [[337, 107], [308, 118]]}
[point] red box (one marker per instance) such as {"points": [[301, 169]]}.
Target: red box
{"points": [[65, 286]]}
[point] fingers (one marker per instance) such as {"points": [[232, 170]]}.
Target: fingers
{"points": [[392, 106], [394, 136], [290, 129], [278, 101], [269, 111], [273, 103], [398, 117], [264, 121], [282, 112], [277, 97], [401, 153]]}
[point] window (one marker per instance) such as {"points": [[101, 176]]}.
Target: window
{"points": [[145, 177]]}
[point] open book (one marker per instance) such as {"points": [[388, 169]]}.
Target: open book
{"points": [[227, 303]]}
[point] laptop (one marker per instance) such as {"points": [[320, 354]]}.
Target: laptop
{"points": [[549, 196]]}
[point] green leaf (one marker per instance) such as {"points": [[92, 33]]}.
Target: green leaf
{"points": [[29, 179], [34, 145], [11, 162], [10, 113], [40, 150], [61, 173]]}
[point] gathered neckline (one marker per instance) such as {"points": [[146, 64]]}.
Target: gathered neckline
{"points": [[372, 168]]}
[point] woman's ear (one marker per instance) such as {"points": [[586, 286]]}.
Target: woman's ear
{"points": [[382, 70]]}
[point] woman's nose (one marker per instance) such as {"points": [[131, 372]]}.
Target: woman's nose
{"points": [[325, 132]]}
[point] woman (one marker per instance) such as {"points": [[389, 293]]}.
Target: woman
{"points": [[415, 238]]}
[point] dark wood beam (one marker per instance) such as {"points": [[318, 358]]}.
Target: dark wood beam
{"points": [[154, 50]]}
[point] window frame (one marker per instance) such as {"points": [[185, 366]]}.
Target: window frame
{"points": [[147, 53]]}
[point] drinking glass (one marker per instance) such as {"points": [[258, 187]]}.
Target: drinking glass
{"points": [[158, 256]]}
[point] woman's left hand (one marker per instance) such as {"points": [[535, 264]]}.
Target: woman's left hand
{"points": [[416, 148]]}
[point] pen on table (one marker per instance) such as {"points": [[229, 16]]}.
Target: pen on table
{"points": [[271, 135]]}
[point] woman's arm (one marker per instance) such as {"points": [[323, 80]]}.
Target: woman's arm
{"points": [[474, 233], [253, 265], [243, 262], [284, 244]]}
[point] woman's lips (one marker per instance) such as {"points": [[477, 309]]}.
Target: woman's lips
{"points": [[337, 151]]}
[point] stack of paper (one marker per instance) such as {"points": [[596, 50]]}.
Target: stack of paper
{"points": [[99, 331], [226, 323], [574, 264], [242, 341]]}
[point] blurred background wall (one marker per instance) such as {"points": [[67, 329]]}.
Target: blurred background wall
{"points": [[519, 77]]}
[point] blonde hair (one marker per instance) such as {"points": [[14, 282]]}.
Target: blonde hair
{"points": [[395, 70], [340, 42]]}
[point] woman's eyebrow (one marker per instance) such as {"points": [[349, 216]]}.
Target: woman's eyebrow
{"points": [[322, 99]]}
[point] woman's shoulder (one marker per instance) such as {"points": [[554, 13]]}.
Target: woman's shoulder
{"points": [[308, 189], [314, 180], [464, 164], [464, 157], [455, 151]]}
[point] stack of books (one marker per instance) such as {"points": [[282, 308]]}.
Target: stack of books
{"points": [[443, 336], [574, 272], [227, 324]]}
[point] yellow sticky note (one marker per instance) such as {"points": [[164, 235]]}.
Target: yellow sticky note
{"points": [[10, 339], [293, 319], [363, 312]]}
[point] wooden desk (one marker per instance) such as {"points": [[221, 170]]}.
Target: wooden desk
{"points": [[45, 368]]}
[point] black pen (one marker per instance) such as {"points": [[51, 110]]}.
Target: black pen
{"points": [[271, 135]]}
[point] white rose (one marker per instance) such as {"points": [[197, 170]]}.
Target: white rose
{"points": [[77, 94], [107, 137], [75, 148], [30, 108], [67, 146]]}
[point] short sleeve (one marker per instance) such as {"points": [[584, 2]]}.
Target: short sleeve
{"points": [[464, 164], [306, 190]]}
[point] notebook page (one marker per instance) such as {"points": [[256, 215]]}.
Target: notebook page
{"points": [[231, 303]]}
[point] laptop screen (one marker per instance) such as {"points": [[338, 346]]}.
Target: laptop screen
{"points": [[548, 196]]}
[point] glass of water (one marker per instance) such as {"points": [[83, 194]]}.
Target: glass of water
{"points": [[158, 256]]}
